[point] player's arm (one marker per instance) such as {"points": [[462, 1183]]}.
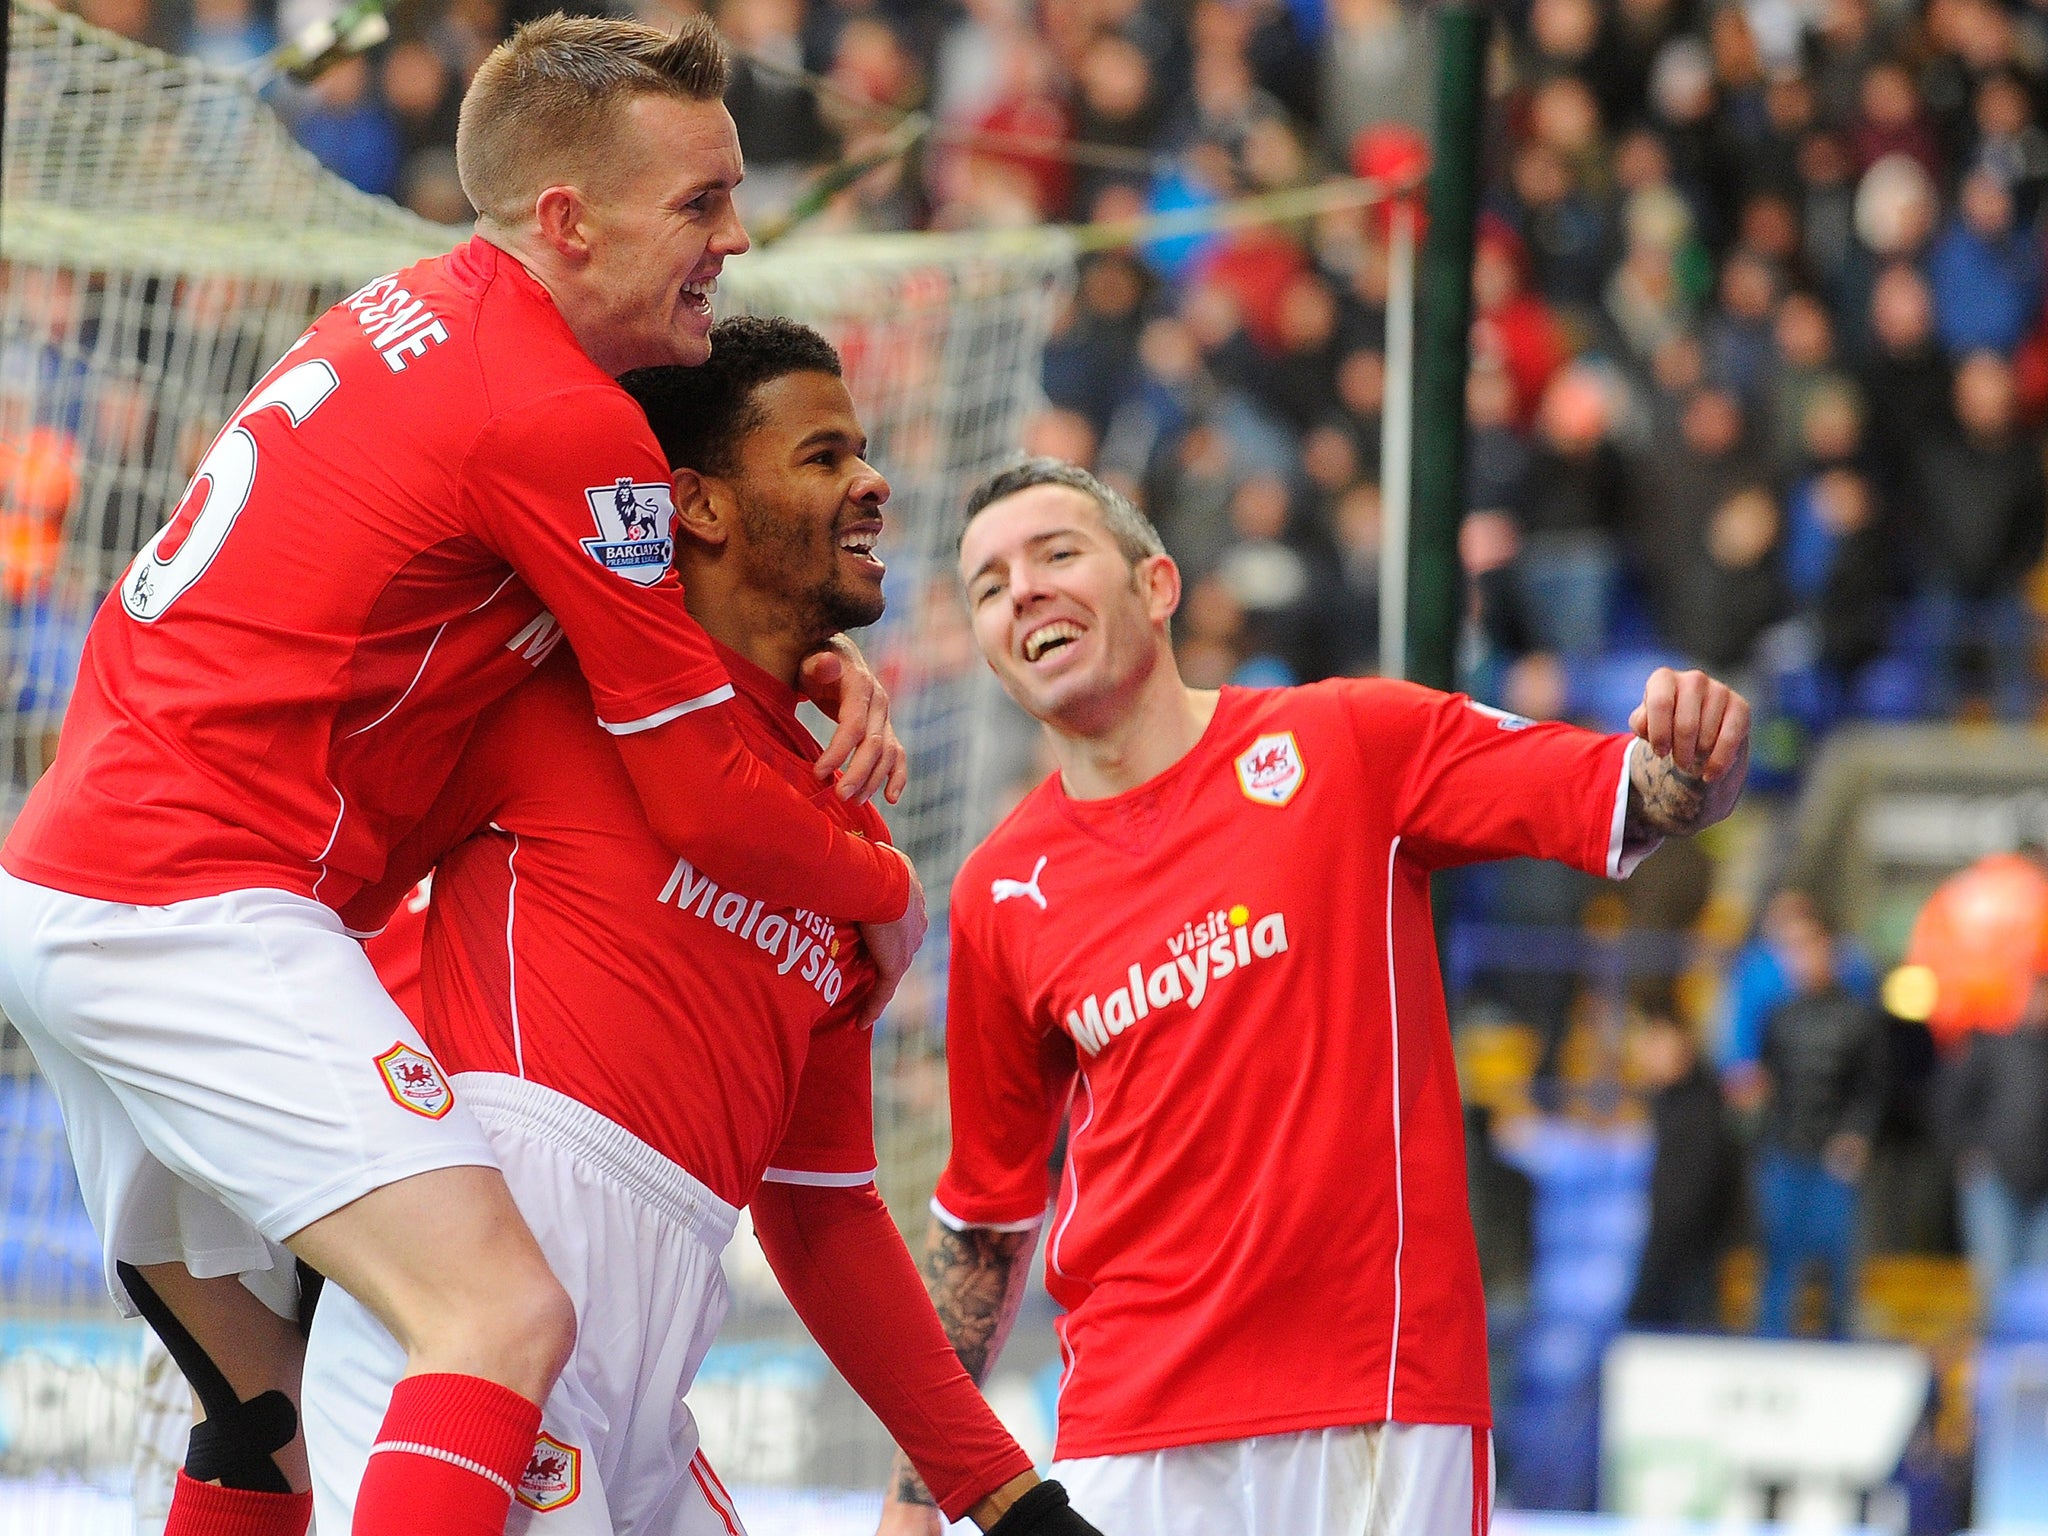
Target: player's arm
{"points": [[975, 1277], [1009, 1080], [1690, 770], [843, 1266]]}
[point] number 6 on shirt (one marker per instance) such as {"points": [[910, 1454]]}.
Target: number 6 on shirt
{"points": [[185, 546]]}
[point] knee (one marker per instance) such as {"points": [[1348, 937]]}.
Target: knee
{"points": [[532, 1324]]}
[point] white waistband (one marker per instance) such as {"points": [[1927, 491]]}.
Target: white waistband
{"points": [[497, 1098]]}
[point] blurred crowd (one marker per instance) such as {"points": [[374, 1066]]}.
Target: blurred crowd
{"points": [[1759, 360]]}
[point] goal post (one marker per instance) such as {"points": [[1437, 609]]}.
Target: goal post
{"points": [[163, 242]]}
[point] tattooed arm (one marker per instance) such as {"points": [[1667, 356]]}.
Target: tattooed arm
{"points": [[976, 1278], [1694, 756]]}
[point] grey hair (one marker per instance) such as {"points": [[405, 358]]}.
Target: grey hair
{"points": [[1135, 536]]}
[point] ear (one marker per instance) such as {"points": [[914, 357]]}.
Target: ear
{"points": [[562, 215], [704, 508], [1158, 581]]}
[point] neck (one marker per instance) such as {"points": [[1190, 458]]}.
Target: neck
{"points": [[546, 268], [746, 622], [1112, 750]]}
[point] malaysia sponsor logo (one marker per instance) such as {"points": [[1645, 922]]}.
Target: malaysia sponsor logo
{"points": [[1001, 891], [414, 1081], [793, 941], [635, 529], [1270, 770], [553, 1475], [1501, 717], [1202, 954]]}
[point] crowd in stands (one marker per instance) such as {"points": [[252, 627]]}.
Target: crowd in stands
{"points": [[1759, 360]]}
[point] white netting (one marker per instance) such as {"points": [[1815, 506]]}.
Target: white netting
{"points": [[162, 240]]}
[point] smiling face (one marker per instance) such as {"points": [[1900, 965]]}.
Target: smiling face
{"points": [[809, 506], [1071, 626], [659, 228]]}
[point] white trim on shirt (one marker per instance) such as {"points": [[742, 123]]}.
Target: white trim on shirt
{"points": [[674, 712], [954, 1223], [817, 1180], [1622, 860]]}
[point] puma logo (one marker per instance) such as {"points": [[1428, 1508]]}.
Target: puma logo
{"points": [[1003, 890]]}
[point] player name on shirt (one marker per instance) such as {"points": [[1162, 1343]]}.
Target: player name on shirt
{"points": [[785, 939], [399, 326], [1203, 952]]}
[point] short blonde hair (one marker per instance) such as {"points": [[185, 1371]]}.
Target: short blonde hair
{"points": [[545, 107]]}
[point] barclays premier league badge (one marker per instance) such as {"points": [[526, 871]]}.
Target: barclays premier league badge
{"points": [[635, 526], [1270, 770], [414, 1081]]}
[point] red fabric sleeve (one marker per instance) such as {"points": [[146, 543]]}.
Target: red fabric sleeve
{"points": [[540, 487], [1009, 1080], [1479, 784], [843, 1265], [831, 1132], [713, 801]]}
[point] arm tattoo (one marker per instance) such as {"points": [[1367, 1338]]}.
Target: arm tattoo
{"points": [[1663, 799], [976, 1279], [1666, 801]]}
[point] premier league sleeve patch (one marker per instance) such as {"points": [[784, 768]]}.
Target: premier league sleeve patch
{"points": [[635, 529]]}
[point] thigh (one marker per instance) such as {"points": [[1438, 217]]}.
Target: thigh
{"points": [[1186, 1490], [1429, 1480], [614, 1223], [250, 1046], [701, 1506], [143, 1212]]}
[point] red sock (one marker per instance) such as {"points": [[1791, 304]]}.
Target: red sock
{"points": [[201, 1509], [450, 1452]]}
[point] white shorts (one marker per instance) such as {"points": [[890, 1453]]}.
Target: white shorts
{"points": [[229, 1070], [1361, 1480], [635, 1240]]}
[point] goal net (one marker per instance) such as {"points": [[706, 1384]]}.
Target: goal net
{"points": [[163, 240]]}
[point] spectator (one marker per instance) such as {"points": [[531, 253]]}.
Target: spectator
{"points": [[1823, 1073], [228, 34], [1760, 978], [1571, 512], [1738, 334], [1678, 487], [1983, 512], [1890, 121], [1995, 1119], [2011, 144], [350, 131], [1726, 588], [1985, 271], [1904, 380], [1378, 62], [1694, 1182], [1512, 327]]}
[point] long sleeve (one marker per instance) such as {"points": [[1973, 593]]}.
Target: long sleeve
{"points": [[843, 1265]]}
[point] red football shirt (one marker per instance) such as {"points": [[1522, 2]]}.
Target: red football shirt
{"points": [[567, 946], [283, 678], [1231, 973]]}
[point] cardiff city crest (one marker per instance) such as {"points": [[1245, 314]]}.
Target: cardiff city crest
{"points": [[553, 1475], [414, 1081], [1270, 770]]}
